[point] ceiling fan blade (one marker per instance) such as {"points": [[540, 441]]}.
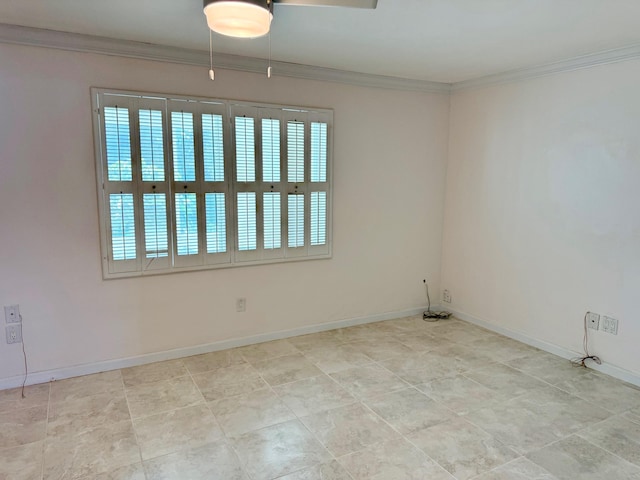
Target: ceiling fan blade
{"points": [[331, 3]]}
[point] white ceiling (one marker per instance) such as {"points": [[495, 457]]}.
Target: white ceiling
{"points": [[438, 40]]}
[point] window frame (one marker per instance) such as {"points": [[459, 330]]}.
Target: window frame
{"points": [[233, 257]]}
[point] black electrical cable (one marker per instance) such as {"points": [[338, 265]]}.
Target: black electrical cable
{"points": [[24, 355], [581, 361], [430, 316]]}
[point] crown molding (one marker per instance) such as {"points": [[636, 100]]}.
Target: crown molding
{"points": [[576, 63], [37, 37]]}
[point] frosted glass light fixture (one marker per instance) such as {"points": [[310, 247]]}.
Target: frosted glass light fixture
{"points": [[239, 18]]}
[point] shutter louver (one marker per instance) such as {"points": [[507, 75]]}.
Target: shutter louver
{"points": [[270, 150], [272, 221], [212, 146], [318, 152], [245, 150], [123, 226], [186, 223], [216, 223], [184, 164], [151, 145], [295, 151], [247, 234], [155, 225], [296, 220], [318, 218], [118, 144]]}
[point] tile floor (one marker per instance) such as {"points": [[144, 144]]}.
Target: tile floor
{"points": [[395, 400]]}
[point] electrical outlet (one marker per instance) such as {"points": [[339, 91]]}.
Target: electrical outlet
{"points": [[613, 326], [446, 296], [14, 333], [609, 325], [12, 313], [241, 304], [593, 320]]}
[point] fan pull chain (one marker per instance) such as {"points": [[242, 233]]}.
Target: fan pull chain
{"points": [[269, 67], [270, 13], [212, 74]]}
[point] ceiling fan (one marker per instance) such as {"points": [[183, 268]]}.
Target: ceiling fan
{"points": [[252, 18]]}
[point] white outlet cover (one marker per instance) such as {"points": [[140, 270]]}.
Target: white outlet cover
{"points": [[609, 325], [241, 304], [593, 320], [12, 313], [14, 333]]}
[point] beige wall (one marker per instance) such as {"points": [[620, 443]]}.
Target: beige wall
{"points": [[389, 169], [542, 217]]}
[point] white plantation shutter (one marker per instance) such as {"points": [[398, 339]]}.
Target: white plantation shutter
{"points": [[247, 228], [118, 143], [318, 152], [151, 145], [123, 226], [215, 179], [155, 225], [245, 149], [182, 137], [272, 188], [272, 220], [212, 147], [295, 151], [318, 218], [153, 183], [197, 183], [319, 186], [121, 245], [187, 211], [186, 224], [296, 221], [297, 154], [246, 185], [270, 150], [216, 222]]}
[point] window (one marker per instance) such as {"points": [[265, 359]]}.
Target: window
{"points": [[187, 184]]}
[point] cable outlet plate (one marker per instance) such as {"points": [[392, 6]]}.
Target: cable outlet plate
{"points": [[446, 296], [12, 313], [593, 320], [14, 333]]}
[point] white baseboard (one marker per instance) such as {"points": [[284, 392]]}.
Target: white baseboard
{"points": [[606, 368], [115, 364]]}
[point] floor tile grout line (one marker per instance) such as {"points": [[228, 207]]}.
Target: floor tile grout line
{"points": [[225, 437], [403, 436], [299, 419], [630, 412], [182, 450], [230, 441], [584, 439], [46, 431], [591, 401], [605, 449], [133, 426], [498, 467], [297, 351], [321, 443], [466, 419], [564, 436]]}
